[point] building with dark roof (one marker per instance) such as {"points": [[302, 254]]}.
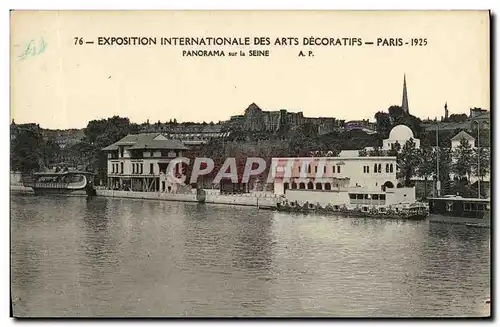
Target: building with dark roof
{"points": [[139, 162], [189, 134]]}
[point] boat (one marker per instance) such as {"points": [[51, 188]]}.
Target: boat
{"points": [[472, 212], [391, 203], [66, 182]]}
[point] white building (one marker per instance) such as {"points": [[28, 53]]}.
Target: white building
{"points": [[139, 162], [333, 173], [400, 134], [455, 140]]}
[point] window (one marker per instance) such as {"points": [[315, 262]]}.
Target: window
{"points": [[449, 206], [324, 169], [308, 169], [112, 168], [375, 196], [286, 186], [338, 169], [300, 169], [133, 168], [364, 169], [151, 168], [310, 186], [315, 169], [302, 186], [141, 167], [391, 168], [333, 169], [379, 168], [294, 186], [328, 186], [375, 168], [382, 197], [367, 169], [386, 168], [352, 196], [319, 186], [121, 167], [359, 196]]}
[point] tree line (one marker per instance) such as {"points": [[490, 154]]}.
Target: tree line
{"points": [[461, 163]]}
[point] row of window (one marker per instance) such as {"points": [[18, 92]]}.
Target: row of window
{"points": [[354, 196], [310, 186], [141, 153], [324, 169], [137, 168], [114, 168], [377, 168], [475, 207]]}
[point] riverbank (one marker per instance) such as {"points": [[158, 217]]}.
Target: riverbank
{"points": [[254, 199]]}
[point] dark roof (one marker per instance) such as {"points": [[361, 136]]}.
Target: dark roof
{"points": [[69, 172], [146, 141]]}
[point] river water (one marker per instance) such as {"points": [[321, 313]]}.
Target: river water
{"points": [[74, 257]]}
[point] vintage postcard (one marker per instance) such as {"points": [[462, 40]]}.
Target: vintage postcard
{"points": [[250, 164]]}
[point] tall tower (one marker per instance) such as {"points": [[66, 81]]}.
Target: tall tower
{"points": [[404, 105], [446, 111]]}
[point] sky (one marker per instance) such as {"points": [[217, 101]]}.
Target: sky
{"points": [[59, 84]]}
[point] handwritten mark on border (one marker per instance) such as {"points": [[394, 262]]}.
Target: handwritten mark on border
{"points": [[32, 48]]}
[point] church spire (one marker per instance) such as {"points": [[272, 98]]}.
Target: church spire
{"points": [[404, 105]]}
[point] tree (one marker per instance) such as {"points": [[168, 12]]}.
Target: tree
{"points": [[458, 118], [395, 112], [363, 153], [376, 152], [383, 123], [101, 133], [408, 160], [27, 151], [463, 157], [484, 162], [427, 167], [51, 152], [395, 149]]}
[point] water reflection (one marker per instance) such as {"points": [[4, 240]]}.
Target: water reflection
{"points": [[115, 257]]}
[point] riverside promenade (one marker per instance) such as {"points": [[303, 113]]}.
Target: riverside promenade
{"points": [[254, 199]]}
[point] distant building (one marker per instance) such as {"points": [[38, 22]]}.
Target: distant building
{"points": [[404, 104], [139, 162], [16, 129], [255, 119], [475, 112], [400, 134], [64, 138], [364, 125], [191, 135], [476, 116], [455, 142]]}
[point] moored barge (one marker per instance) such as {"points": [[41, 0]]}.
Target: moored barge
{"points": [[472, 212], [396, 203]]}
